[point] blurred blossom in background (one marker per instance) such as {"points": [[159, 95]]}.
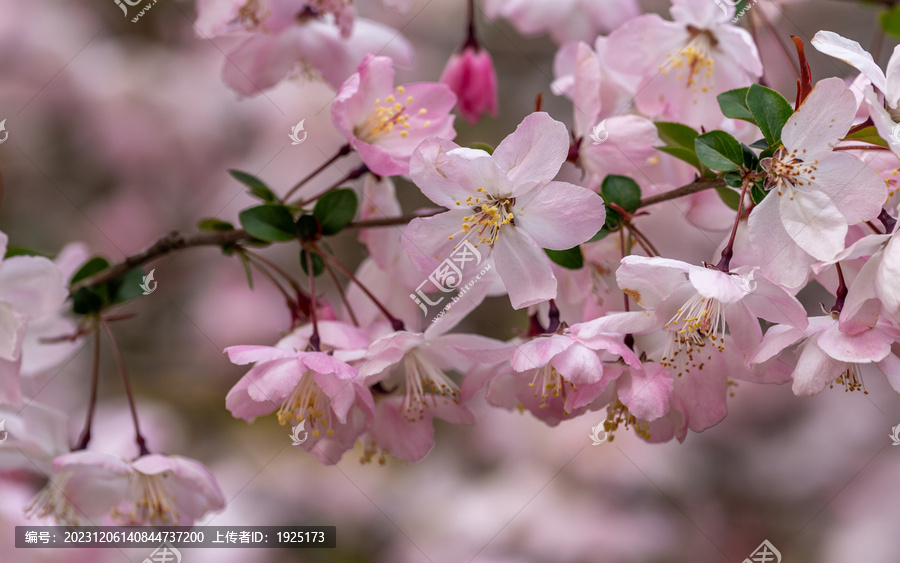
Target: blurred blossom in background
{"points": [[120, 132]]}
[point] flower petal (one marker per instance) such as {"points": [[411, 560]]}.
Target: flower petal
{"points": [[524, 268], [534, 152]]}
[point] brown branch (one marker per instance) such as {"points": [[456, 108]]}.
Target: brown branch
{"points": [[169, 243], [389, 221], [692, 188]]}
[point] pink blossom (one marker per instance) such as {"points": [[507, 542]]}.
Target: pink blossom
{"points": [[885, 115], [815, 193], [385, 124], [507, 202], [471, 76], [565, 20], [288, 37], [167, 491], [683, 65], [316, 387], [87, 486], [31, 288], [827, 355]]}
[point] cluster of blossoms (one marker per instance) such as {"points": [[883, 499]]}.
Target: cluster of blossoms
{"points": [[665, 269]]}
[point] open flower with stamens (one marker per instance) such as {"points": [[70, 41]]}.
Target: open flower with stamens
{"points": [[684, 64], [315, 387], [826, 356], [385, 124], [814, 192], [696, 303], [562, 375], [167, 490], [316, 39], [505, 204], [84, 486]]}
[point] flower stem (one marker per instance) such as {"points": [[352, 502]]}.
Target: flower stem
{"points": [[841, 292], [352, 175], [692, 188], [728, 251], [95, 379], [396, 323], [120, 363], [313, 316], [343, 151]]}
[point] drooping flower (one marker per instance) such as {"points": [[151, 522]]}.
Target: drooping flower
{"points": [[874, 290], [84, 486], [315, 388], [826, 355], [697, 305], [385, 124], [87, 486], [505, 204], [166, 490], [471, 75], [684, 64], [319, 39], [814, 192], [565, 20]]}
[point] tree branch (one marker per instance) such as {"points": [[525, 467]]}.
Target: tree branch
{"points": [[169, 243], [692, 188]]}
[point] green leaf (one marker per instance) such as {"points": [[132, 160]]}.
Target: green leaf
{"points": [[257, 187], [483, 146], [868, 135], [571, 259], [128, 286], [757, 193], [270, 223], [317, 263], [760, 144], [734, 179], [679, 141], [890, 21], [245, 262], [730, 197], [770, 110], [720, 151], [621, 190], [335, 210], [213, 224], [93, 266], [687, 155], [86, 301], [733, 104], [751, 161], [601, 234], [19, 251]]}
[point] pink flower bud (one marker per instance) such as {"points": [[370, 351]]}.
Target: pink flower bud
{"points": [[472, 78]]}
